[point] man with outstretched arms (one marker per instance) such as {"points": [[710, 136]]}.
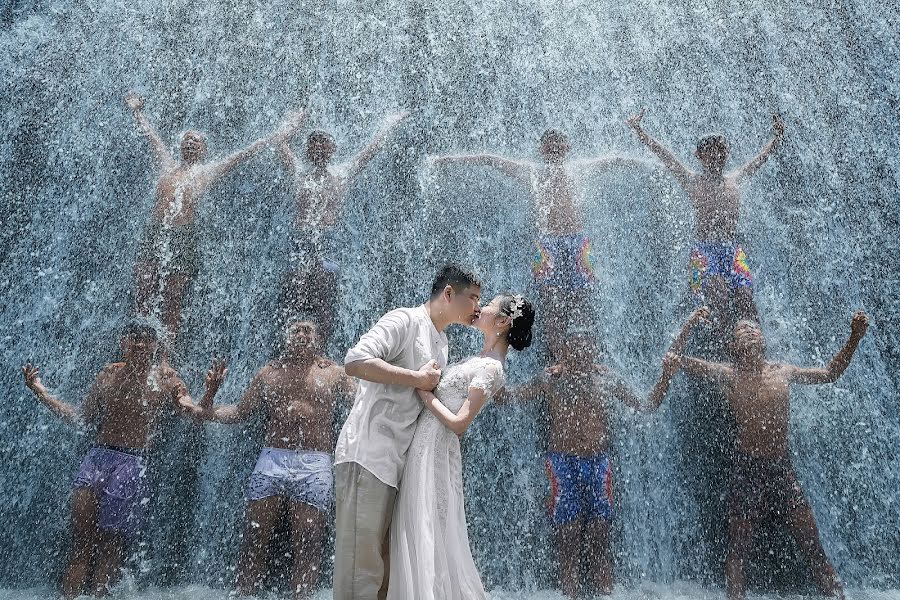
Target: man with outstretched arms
{"points": [[719, 274], [320, 192], [403, 352], [298, 392], [125, 404], [763, 478], [168, 257], [579, 391], [563, 262]]}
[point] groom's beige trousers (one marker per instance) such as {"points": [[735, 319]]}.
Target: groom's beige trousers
{"points": [[364, 505]]}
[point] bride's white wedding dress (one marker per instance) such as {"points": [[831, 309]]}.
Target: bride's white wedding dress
{"points": [[429, 553]]}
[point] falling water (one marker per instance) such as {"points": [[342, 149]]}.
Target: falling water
{"points": [[820, 221]]}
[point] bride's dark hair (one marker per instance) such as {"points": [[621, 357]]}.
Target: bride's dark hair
{"points": [[522, 311]]}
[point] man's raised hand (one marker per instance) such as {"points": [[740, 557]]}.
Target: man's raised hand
{"points": [[134, 101], [701, 315], [429, 376], [778, 125], [635, 121], [859, 324], [214, 378], [32, 381], [293, 121]]}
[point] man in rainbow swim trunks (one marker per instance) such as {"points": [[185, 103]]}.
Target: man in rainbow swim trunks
{"points": [[563, 264], [719, 274]]}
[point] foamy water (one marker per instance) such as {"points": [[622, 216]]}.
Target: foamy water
{"points": [[645, 591]]}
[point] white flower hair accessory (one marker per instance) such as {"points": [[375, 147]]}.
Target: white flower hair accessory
{"points": [[515, 308]]}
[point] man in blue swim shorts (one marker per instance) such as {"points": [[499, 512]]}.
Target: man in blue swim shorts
{"points": [[579, 392], [125, 404], [298, 391]]}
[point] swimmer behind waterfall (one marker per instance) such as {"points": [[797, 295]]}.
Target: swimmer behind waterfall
{"points": [[763, 478]]}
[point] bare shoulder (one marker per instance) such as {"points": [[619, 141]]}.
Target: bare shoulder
{"points": [[780, 370], [267, 373], [110, 370], [107, 374], [332, 372]]}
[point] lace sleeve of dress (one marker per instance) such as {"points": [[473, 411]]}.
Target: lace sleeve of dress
{"points": [[488, 378]]}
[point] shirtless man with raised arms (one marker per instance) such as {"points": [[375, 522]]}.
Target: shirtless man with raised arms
{"points": [[719, 274], [563, 264], [168, 259], [126, 403], [299, 392], [579, 392], [764, 481], [320, 192]]}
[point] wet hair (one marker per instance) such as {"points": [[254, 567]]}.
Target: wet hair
{"points": [[320, 136], [750, 322], [193, 133], [519, 334], [141, 330], [712, 142], [454, 276], [301, 324], [554, 135]]}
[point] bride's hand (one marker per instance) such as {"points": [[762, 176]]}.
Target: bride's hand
{"points": [[423, 395]]}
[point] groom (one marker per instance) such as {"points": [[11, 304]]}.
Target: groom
{"points": [[403, 352]]}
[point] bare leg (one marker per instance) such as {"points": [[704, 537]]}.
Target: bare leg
{"points": [[308, 535], [568, 546], [744, 306], [262, 516], [310, 292], [324, 303], [740, 532], [175, 289], [84, 530], [597, 540], [108, 566], [563, 309], [803, 527], [146, 277], [161, 296]]}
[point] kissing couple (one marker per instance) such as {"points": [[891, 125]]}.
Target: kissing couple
{"points": [[401, 522]]}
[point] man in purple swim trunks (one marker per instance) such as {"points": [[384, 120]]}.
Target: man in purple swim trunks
{"points": [[299, 392], [125, 404]]}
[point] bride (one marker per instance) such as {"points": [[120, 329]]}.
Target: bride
{"points": [[430, 557]]}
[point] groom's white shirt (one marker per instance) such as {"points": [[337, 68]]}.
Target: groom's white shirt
{"points": [[382, 423]]}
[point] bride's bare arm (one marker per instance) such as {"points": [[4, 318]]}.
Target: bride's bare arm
{"points": [[459, 422]]}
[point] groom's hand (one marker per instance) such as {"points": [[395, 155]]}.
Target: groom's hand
{"points": [[429, 376]]}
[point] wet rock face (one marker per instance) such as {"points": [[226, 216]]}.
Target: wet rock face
{"points": [[819, 223]]}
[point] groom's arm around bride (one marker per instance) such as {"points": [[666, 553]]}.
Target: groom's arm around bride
{"points": [[371, 449]]}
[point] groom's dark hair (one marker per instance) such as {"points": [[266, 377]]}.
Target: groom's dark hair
{"points": [[454, 276]]}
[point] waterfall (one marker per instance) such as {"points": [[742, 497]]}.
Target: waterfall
{"points": [[820, 222]]}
